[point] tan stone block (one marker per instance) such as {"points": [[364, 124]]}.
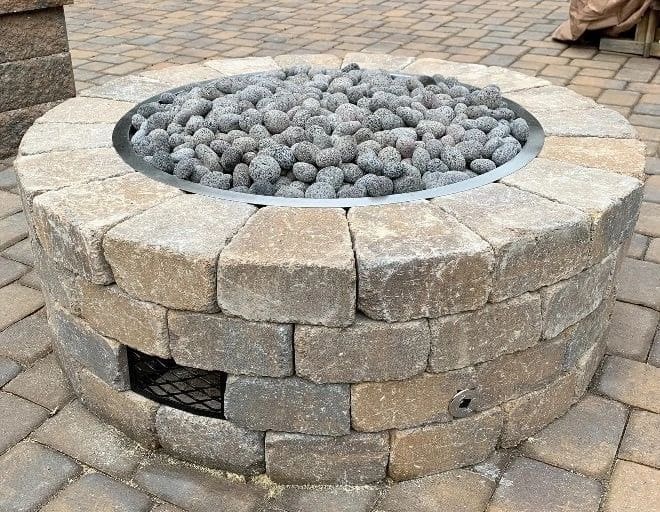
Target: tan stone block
{"points": [[476, 336], [46, 137], [14, 124], [528, 414], [232, 345], [437, 448], [290, 265], [384, 61], [177, 76], [72, 222], [127, 88], [367, 350], [29, 5], [622, 156], [414, 260], [552, 98], [586, 367], [322, 60], [612, 201], [138, 324], [52, 171], [87, 111], [569, 301], [641, 442], [631, 382], [536, 242], [631, 330], [32, 34], [241, 66], [354, 459], [169, 253], [17, 302], [633, 488], [476, 74]]}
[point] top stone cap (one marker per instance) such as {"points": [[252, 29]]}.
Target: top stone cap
{"points": [[12, 6]]}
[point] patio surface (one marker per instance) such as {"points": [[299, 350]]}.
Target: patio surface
{"points": [[604, 455]]}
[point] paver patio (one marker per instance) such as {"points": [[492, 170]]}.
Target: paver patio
{"points": [[604, 455]]}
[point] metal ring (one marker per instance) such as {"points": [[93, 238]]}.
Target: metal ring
{"points": [[462, 404], [121, 140]]}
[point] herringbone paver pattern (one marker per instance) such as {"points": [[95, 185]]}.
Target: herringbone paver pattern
{"points": [[604, 455]]}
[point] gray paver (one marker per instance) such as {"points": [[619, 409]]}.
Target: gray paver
{"points": [[17, 302], [27, 340], [8, 370], [10, 271], [18, 418]]}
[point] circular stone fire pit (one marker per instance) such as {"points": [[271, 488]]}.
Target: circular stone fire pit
{"points": [[336, 344]]}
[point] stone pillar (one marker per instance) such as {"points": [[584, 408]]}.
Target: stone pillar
{"points": [[35, 65]]}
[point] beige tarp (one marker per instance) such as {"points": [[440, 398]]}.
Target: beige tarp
{"points": [[611, 16]]}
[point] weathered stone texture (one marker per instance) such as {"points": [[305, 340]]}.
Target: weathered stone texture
{"points": [[127, 88], [569, 301], [528, 414], [71, 223], [611, 200], [45, 137], [100, 355], [11, 6], [354, 459], [179, 75], [536, 241], [129, 412], [113, 313], [631, 330], [240, 66], [321, 60], [212, 442], [482, 335], [232, 345], [436, 448], [169, 253], [641, 442], [586, 367], [631, 382], [18, 418], [35, 81], [368, 350], [14, 124], [413, 261], [288, 405], [633, 488], [585, 334], [51, 171], [377, 60], [58, 284], [83, 110], [623, 156], [303, 271]]}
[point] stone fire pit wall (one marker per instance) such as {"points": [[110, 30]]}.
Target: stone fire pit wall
{"points": [[345, 333], [35, 65]]}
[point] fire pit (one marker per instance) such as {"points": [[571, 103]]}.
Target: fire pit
{"points": [[340, 336]]}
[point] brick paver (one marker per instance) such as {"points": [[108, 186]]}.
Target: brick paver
{"points": [[606, 445]]}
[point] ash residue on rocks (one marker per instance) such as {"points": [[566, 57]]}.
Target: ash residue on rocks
{"points": [[320, 133]]}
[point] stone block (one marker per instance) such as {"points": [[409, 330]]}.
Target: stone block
{"points": [[528, 414], [232, 345], [26, 340], [17, 419], [288, 405], [36, 81], [169, 254], [17, 302], [622, 156], [384, 61], [531, 486], [332, 498], [638, 282], [414, 260], [552, 98], [79, 434], [536, 242], [597, 122], [570, 300], [633, 488], [43, 384], [72, 222], [112, 313], [180, 75], [127, 88], [102, 356], [368, 350], [211, 442], [11, 6], [33, 474], [354, 459], [290, 265], [52, 171], [458, 490], [585, 334], [58, 284], [14, 124], [316, 60], [245, 65], [649, 220], [83, 110], [13, 229], [631, 330], [641, 442], [631, 382], [96, 491], [472, 337], [476, 74], [8, 370], [585, 439], [586, 367], [46, 137], [131, 413], [10, 270], [611, 200], [437, 448]]}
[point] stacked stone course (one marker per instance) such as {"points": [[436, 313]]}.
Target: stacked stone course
{"points": [[345, 335], [35, 65]]}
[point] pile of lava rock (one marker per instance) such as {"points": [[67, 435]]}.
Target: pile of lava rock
{"points": [[328, 133]]}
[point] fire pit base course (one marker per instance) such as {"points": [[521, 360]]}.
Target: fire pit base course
{"points": [[328, 345]]}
